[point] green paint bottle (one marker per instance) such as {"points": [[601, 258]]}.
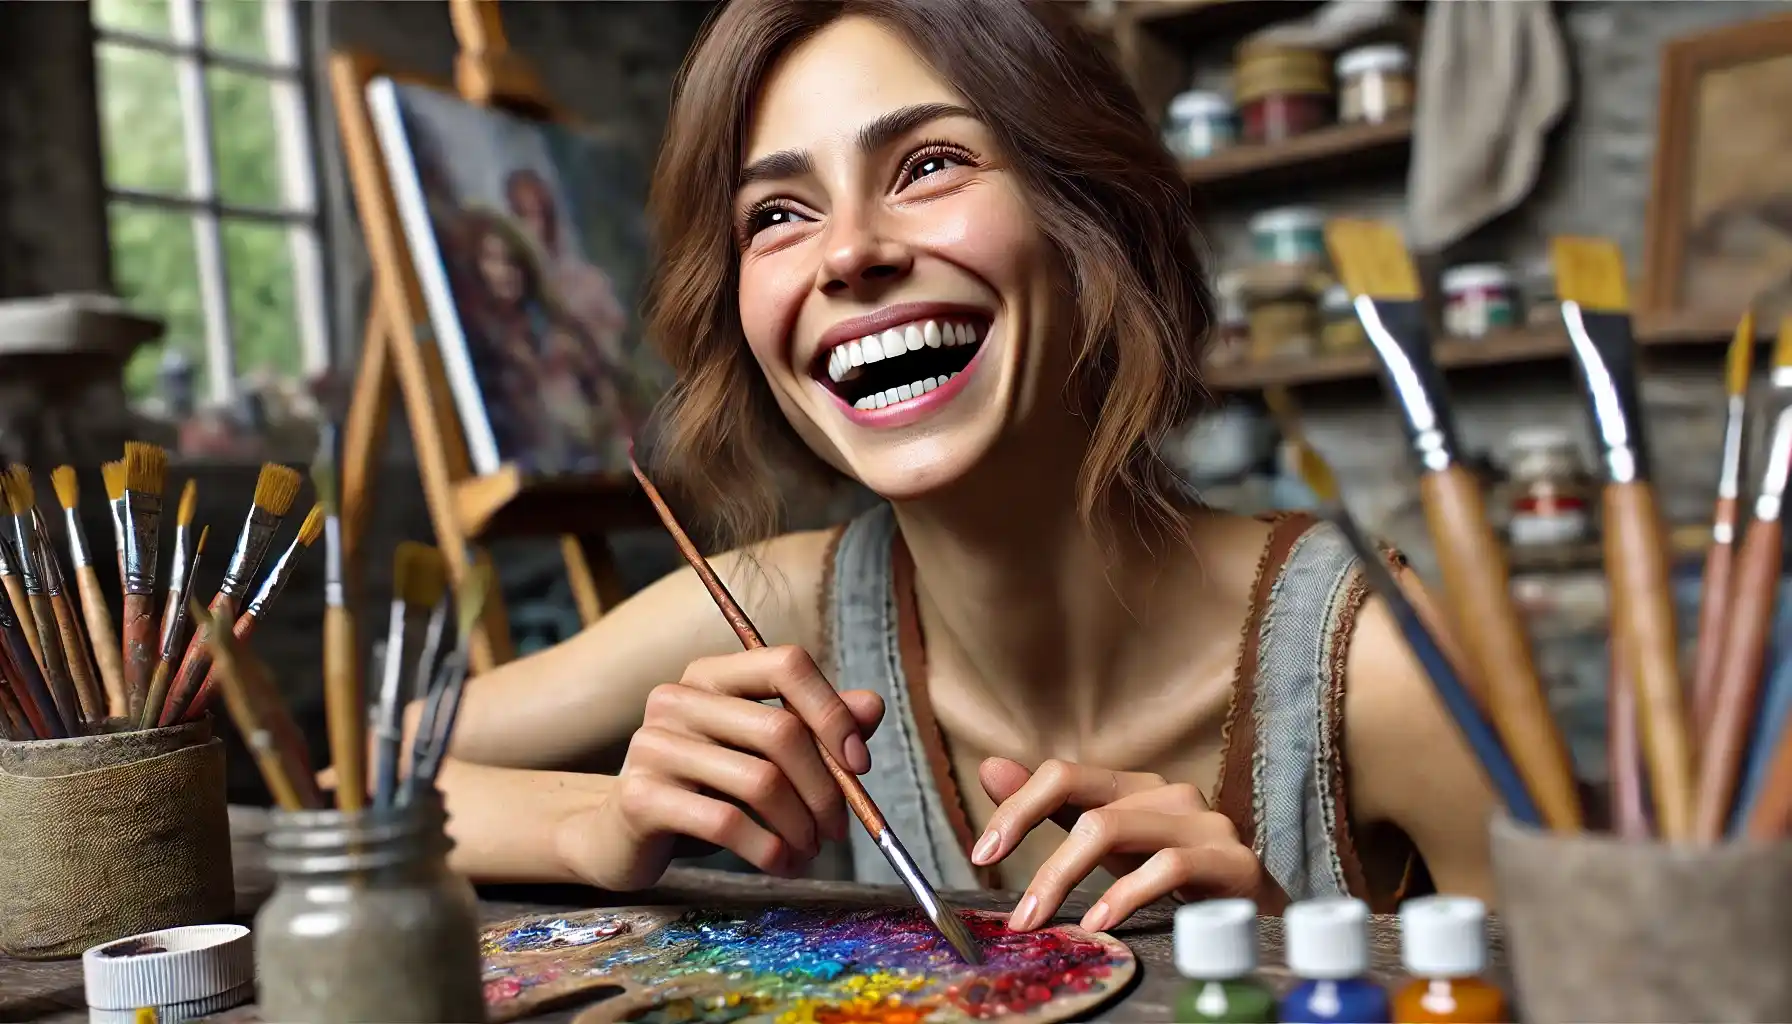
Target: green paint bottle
{"points": [[1216, 950]]}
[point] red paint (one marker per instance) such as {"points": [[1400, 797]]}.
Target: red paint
{"points": [[1027, 969]]}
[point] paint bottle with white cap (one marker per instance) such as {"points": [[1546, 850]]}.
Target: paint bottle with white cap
{"points": [[1443, 944], [1216, 949], [1328, 949]]}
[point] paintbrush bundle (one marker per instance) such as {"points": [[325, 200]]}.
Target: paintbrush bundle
{"points": [[67, 666]]}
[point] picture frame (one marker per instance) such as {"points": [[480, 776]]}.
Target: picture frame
{"points": [[1718, 233]]}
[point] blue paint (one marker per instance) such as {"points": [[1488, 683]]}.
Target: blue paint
{"points": [[1351, 1001]]}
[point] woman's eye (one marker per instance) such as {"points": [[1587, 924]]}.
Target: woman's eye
{"points": [[772, 217], [932, 163]]}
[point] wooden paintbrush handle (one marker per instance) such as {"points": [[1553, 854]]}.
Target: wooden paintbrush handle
{"points": [[242, 629], [1770, 819], [1624, 749], [1714, 601], [196, 663], [34, 695], [62, 688], [74, 655], [138, 627], [1476, 582], [1723, 744], [1636, 569], [18, 727], [104, 640], [347, 709], [21, 606]]}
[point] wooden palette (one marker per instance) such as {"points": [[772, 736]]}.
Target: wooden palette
{"points": [[794, 965]]}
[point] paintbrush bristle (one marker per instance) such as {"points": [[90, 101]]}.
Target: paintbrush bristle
{"points": [[145, 467], [1316, 474], [1741, 355], [113, 474], [1782, 344], [67, 486], [1590, 273], [189, 503], [323, 480], [470, 597], [418, 574], [199, 545], [1371, 258], [312, 527], [21, 495], [276, 488]]}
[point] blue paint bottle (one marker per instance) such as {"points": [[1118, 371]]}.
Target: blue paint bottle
{"points": [[1328, 949]]}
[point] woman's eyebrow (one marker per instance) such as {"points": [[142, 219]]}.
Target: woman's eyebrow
{"points": [[875, 135]]}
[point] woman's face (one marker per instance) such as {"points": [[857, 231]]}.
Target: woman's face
{"points": [[894, 286], [500, 271]]}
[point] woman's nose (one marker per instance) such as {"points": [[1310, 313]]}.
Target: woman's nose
{"points": [[860, 258]]}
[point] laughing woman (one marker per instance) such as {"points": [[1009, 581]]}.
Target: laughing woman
{"points": [[935, 246]]}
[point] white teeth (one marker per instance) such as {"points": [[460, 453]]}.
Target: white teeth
{"points": [[911, 337], [872, 347], [855, 354], [893, 343], [884, 399], [845, 361], [930, 334]]}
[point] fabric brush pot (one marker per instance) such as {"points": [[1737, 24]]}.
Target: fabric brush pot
{"points": [[111, 835], [1606, 930]]}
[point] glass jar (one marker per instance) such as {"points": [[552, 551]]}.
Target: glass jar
{"points": [[1479, 298], [1282, 91], [1200, 125], [1340, 329], [1551, 494], [1232, 324], [366, 923], [1293, 235], [1374, 84]]}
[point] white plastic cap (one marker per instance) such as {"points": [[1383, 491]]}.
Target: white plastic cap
{"points": [[174, 967], [1366, 59], [1328, 939], [1443, 936], [1287, 218], [1196, 103], [1476, 276], [1216, 940]]}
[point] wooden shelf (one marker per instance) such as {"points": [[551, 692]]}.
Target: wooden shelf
{"points": [[1502, 349], [1203, 20], [1323, 153]]}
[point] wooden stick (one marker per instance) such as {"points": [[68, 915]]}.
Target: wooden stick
{"points": [[1624, 749], [261, 717]]}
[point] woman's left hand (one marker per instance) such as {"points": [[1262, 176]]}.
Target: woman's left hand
{"points": [[1157, 838]]}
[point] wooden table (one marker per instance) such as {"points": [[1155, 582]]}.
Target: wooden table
{"points": [[49, 992]]}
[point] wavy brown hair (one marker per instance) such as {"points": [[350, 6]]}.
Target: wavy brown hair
{"points": [[1105, 192]]}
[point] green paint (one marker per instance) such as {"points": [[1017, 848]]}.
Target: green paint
{"points": [[1234, 1001]]}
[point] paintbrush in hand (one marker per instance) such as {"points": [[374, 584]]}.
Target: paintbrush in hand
{"points": [[1590, 281], [418, 581], [1714, 595], [1384, 285], [102, 636], [1482, 739], [260, 715], [35, 699], [145, 472], [344, 699], [275, 488], [943, 916], [435, 726], [275, 581], [21, 499], [174, 634], [1748, 623]]}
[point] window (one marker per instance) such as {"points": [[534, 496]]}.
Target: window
{"points": [[211, 174]]}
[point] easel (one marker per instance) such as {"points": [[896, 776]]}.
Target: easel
{"points": [[398, 349]]}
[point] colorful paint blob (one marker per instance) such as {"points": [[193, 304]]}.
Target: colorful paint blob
{"points": [[797, 966]]}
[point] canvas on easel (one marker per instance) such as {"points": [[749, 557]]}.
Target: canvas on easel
{"points": [[530, 243]]}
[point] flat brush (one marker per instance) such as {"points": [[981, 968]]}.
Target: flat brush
{"points": [[112, 473], [943, 916], [1714, 594], [145, 474], [260, 715], [174, 633], [418, 581], [1482, 739], [345, 702], [256, 609], [1377, 271], [435, 726], [102, 636], [12, 578], [275, 488], [33, 691], [1589, 275], [20, 499], [75, 649], [1735, 692]]}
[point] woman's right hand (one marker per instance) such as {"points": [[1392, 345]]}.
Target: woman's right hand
{"points": [[711, 763]]}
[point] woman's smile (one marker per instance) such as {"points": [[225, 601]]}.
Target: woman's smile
{"points": [[897, 365]]}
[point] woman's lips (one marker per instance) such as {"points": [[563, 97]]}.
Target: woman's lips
{"points": [[901, 414]]}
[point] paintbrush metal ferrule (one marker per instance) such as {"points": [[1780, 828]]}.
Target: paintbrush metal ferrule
{"points": [[1413, 378], [78, 552], [174, 621], [274, 582], [1609, 378], [1771, 498], [26, 546], [941, 913], [142, 541], [252, 544], [48, 567], [334, 596], [9, 565]]}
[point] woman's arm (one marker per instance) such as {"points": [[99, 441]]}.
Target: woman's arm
{"points": [[511, 825], [561, 707], [1408, 764]]}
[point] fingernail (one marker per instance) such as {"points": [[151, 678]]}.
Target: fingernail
{"points": [[985, 850], [1022, 918], [1097, 918], [858, 756]]}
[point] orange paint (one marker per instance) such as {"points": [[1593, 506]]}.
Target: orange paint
{"points": [[1451, 1001]]}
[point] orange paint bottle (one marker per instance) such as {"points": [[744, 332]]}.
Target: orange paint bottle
{"points": [[1443, 943]]}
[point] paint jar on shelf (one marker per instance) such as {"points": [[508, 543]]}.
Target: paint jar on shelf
{"points": [[1282, 91], [1537, 285], [1289, 235], [1231, 323], [1340, 329], [366, 922], [1199, 125], [1479, 298], [1551, 494], [1216, 950], [1283, 305], [1374, 84]]}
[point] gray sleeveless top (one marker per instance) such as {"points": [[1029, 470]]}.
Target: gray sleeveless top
{"points": [[1282, 782]]}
